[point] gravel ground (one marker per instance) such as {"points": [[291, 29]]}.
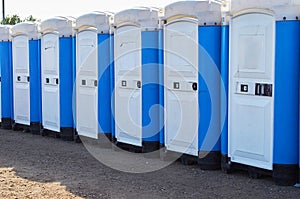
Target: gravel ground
{"points": [[32, 166]]}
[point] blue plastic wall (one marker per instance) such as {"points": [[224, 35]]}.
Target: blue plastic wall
{"points": [[112, 84], [209, 61], [74, 81], [224, 74], [150, 87], [35, 81], [66, 82], [104, 96], [286, 115], [6, 79], [161, 84]]}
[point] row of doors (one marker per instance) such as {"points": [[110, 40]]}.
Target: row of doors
{"points": [[251, 65], [50, 75], [182, 69]]}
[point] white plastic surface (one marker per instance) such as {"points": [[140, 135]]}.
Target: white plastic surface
{"points": [[282, 8], [180, 72], [62, 25], [86, 89], [21, 86], [252, 44], [208, 12], [5, 31], [29, 29], [128, 97], [50, 88], [141, 17], [97, 20]]}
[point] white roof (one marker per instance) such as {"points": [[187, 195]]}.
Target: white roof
{"points": [[62, 25], [98, 20], [5, 31], [143, 17], [206, 11], [26, 28], [290, 9]]}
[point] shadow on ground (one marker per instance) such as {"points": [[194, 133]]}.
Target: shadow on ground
{"points": [[44, 159]]}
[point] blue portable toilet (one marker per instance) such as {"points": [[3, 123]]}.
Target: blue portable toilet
{"points": [[26, 77], [136, 89], [6, 77], [192, 42], [57, 76], [263, 89], [93, 93]]}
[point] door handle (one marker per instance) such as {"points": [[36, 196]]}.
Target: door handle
{"points": [[19, 78], [195, 86], [28, 79], [139, 84], [95, 83]]}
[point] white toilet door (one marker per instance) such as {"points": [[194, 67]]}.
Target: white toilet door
{"points": [[50, 82], [181, 82], [128, 85], [21, 85], [87, 84], [251, 89]]}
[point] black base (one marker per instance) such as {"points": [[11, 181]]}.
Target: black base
{"points": [[128, 147], [20, 127], [209, 160], [225, 164], [46, 132], [67, 134], [285, 175], [6, 123], [105, 140], [35, 128], [151, 149], [189, 159], [76, 137], [299, 175]]}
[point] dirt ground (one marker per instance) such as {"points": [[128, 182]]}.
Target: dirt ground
{"points": [[32, 166]]}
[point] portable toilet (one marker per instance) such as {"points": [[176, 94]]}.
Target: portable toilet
{"points": [[263, 114], [93, 93], [192, 42], [136, 89], [57, 76], [26, 76], [5, 77]]}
